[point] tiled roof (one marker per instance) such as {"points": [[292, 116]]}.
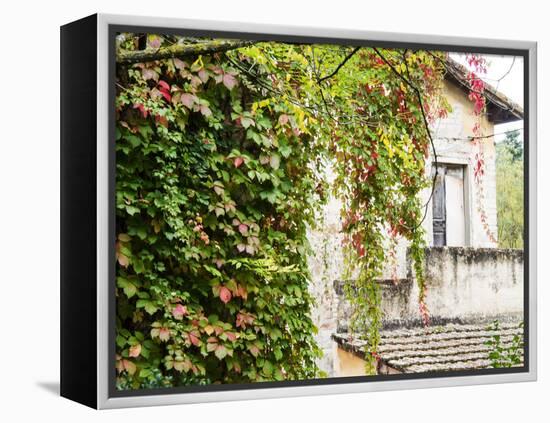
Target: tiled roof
{"points": [[501, 109], [438, 348]]}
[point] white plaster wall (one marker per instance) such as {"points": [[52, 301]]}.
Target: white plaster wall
{"points": [[470, 284]]}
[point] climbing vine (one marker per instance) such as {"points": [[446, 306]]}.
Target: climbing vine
{"points": [[478, 64], [221, 161]]}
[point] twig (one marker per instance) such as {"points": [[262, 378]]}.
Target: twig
{"points": [[342, 63], [479, 136]]}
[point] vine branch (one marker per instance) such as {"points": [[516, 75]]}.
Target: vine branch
{"points": [[342, 63], [426, 125], [180, 50]]}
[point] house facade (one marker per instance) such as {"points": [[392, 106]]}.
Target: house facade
{"points": [[470, 280]]}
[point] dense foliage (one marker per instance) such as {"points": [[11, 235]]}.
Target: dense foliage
{"points": [[509, 168], [501, 353], [221, 165]]}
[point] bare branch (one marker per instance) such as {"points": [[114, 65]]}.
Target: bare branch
{"points": [[349, 56], [479, 137]]}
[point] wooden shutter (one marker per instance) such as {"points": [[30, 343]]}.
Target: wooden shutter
{"points": [[439, 209]]}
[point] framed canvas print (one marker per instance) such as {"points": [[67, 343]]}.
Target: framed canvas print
{"points": [[252, 211]]}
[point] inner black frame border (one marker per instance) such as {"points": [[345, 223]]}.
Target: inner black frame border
{"points": [[113, 29]]}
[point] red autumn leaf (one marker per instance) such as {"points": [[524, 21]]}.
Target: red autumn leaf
{"points": [[244, 319], [188, 100], [194, 339], [179, 311], [203, 75], [205, 110], [220, 352], [164, 334], [119, 364], [166, 95], [155, 93], [164, 84], [129, 366], [123, 260], [212, 344], [240, 321], [230, 206], [182, 366], [195, 81], [243, 229], [225, 295], [241, 292], [254, 350], [238, 161], [216, 69], [141, 108], [149, 74], [283, 119], [154, 41], [179, 64], [231, 336], [161, 120], [165, 90], [229, 81], [135, 350]]}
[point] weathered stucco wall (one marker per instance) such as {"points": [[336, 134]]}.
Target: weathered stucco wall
{"points": [[459, 124], [464, 285], [474, 284], [460, 288], [326, 264]]}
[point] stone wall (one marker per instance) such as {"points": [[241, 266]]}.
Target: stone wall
{"points": [[474, 284], [464, 285]]}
